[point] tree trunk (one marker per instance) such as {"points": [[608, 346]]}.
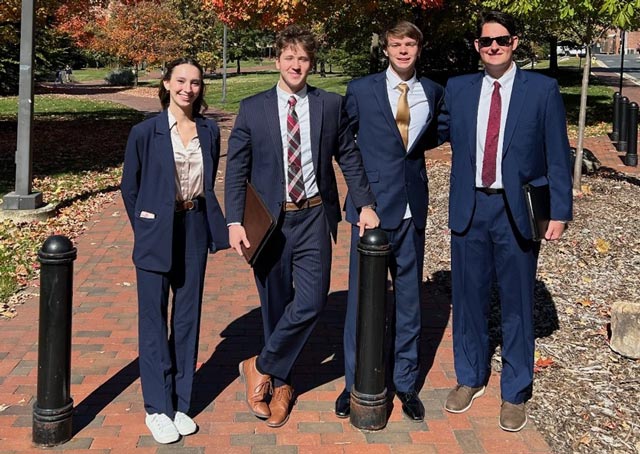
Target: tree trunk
{"points": [[373, 53], [553, 55], [238, 65], [577, 168]]}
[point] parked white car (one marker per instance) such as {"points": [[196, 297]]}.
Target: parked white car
{"points": [[578, 52]]}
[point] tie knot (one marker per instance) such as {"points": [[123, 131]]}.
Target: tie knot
{"points": [[496, 85], [293, 101], [403, 88]]}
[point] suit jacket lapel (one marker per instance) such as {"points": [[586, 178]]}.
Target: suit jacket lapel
{"points": [[204, 136], [164, 148], [471, 97], [315, 119], [273, 123], [380, 92], [518, 96]]}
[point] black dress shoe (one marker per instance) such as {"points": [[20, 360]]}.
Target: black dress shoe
{"points": [[343, 404], [411, 405]]}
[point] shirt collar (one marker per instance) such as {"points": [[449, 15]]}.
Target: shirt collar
{"points": [[393, 80], [172, 119], [506, 79], [284, 96]]}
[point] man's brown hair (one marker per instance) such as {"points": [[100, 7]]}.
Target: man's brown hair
{"points": [[403, 29], [293, 36]]}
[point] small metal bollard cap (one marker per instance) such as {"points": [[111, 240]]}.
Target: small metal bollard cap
{"points": [[374, 241], [57, 248]]}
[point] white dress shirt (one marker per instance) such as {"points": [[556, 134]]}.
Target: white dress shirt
{"points": [[302, 109], [506, 87], [418, 108]]}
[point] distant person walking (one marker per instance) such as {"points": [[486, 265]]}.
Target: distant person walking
{"points": [[67, 73], [170, 168]]}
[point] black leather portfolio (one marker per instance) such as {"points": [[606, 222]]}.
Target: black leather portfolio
{"points": [[258, 223], [539, 206]]}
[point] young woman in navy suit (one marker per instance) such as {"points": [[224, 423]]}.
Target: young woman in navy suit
{"points": [[169, 172]]}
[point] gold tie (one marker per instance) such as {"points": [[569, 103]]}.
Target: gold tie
{"points": [[402, 116]]}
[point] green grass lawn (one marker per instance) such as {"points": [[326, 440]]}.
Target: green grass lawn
{"points": [[94, 74], [87, 74], [59, 108], [240, 87]]}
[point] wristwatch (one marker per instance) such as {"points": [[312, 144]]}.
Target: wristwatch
{"points": [[372, 206]]}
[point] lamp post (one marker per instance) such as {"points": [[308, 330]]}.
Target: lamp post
{"points": [[23, 198], [622, 36]]}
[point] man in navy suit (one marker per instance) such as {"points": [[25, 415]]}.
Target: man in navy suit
{"points": [[393, 114], [507, 128], [283, 142]]}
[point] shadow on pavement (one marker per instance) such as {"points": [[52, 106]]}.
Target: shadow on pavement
{"points": [[87, 410]]}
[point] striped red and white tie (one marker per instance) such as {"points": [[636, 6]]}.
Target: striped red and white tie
{"points": [[295, 178]]}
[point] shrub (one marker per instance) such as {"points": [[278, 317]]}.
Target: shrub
{"points": [[120, 77]]}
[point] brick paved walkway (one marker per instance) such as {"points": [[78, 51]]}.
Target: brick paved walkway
{"points": [[105, 386], [109, 416]]}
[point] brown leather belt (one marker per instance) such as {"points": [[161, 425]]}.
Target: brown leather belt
{"points": [[303, 204], [190, 205], [491, 191]]}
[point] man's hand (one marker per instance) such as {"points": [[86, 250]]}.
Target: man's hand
{"points": [[237, 236], [555, 230], [368, 220]]}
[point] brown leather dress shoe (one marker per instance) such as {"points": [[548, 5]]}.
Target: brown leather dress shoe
{"points": [[280, 406], [256, 387]]}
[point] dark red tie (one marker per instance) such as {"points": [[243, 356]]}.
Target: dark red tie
{"points": [[491, 142]]}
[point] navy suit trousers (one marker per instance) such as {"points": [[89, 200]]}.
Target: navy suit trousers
{"points": [[491, 250], [407, 245], [167, 363], [292, 276]]}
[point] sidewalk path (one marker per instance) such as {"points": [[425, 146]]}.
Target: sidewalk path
{"points": [[601, 146], [105, 386]]}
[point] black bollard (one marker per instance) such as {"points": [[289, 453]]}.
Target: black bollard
{"points": [[369, 393], [621, 145], [631, 158], [615, 133], [53, 410]]}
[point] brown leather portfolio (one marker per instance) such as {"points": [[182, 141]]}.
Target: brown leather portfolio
{"points": [[258, 223]]}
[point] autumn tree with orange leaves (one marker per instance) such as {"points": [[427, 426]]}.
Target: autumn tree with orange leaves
{"points": [[136, 32]]}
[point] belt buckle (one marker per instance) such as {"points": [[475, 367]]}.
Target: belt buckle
{"points": [[188, 205]]}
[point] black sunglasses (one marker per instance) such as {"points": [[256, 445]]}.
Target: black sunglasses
{"points": [[485, 41]]}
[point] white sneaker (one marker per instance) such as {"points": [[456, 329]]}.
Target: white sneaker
{"points": [[162, 428], [184, 424]]}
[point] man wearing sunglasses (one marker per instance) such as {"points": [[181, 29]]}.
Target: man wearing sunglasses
{"points": [[507, 128]]}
